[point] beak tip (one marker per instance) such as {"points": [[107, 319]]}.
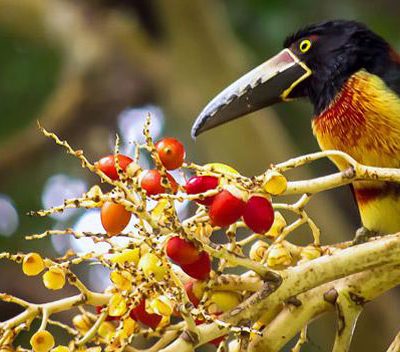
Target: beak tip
{"points": [[198, 126]]}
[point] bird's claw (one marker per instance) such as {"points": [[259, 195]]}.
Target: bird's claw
{"points": [[363, 235]]}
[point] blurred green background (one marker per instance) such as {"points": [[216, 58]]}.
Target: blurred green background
{"points": [[90, 68]]}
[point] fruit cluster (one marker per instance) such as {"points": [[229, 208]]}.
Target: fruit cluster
{"points": [[167, 276]]}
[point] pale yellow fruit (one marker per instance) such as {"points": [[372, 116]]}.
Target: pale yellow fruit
{"points": [[277, 226], [82, 323], [225, 300], [54, 278], [221, 168], [127, 256], [278, 255], [42, 341], [258, 251], [275, 183], [32, 264]]}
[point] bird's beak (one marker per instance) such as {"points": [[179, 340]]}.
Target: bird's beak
{"points": [[265, 85]]}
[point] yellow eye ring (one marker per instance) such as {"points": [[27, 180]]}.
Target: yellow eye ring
{"points": [[305, 45]]}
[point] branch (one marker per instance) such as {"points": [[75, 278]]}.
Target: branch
{"points": [[361, 288], [297, 280]]}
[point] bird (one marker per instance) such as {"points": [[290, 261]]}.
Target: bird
{"points": [[351, 76]]}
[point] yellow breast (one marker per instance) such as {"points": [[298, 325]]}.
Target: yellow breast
{"points": [[363, 121]]}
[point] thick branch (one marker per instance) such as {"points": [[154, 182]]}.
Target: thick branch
{"points": [[300, 279]]}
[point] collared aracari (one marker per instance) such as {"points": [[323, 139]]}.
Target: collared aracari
{"points": [[352, 78]]}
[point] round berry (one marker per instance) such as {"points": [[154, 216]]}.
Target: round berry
{"points": [[225, 300], [32, 264], [258, 214], [114, 218], [201, 184], [107, 165], [139, 313], [42, 341], [171, 153], [82, 323], [182, 251], [200, 269], [151, 182], [54, 278], [226, 209]]}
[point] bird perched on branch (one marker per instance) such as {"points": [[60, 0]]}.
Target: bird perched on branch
{"points": [[352, 77]]}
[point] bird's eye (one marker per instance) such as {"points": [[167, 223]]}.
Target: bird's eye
{"points": [[305, 45]]}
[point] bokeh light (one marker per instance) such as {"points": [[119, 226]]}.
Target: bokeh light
{"points": [[9, 219]]}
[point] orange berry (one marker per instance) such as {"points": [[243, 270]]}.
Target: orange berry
{"points": [[114, 218]]}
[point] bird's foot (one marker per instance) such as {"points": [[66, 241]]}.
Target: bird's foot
{"points": [[363, 235]]}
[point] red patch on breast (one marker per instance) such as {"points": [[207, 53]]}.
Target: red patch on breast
{"points": [[365, 195], [342, 122]]}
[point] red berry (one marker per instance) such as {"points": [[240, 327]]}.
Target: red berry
{"points": [[171, 153], [201, 184], [191, 294], [258, 214], [200, 269], [182, 251], [226, 209], [151, 182], [139, 314], [114, 218], [107, 165]]}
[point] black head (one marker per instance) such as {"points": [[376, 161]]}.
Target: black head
{"points": [[334, 50], [315, 63]]}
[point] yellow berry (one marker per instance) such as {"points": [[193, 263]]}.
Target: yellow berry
{"points": [[122, 279], [258, 251], [60, 348], [277, 226], [32, 264], [127, 256], [224, 300], [278, 255], [161, 305], [106, 330], [82, 323], [42, 341], [54, 278], [152, 265], [275, 183], [117, 305], [221, 168]]}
